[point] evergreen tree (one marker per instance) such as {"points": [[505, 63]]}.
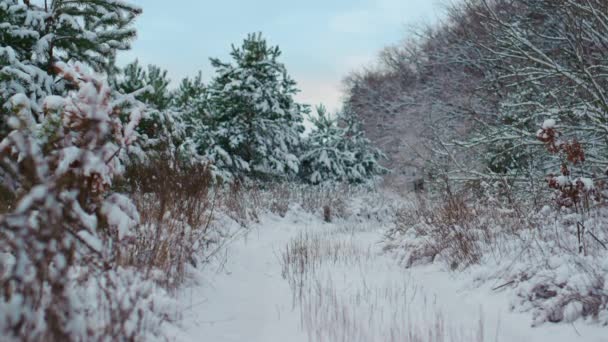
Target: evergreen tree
{"points": [[337, 153], [325, 158], [133, 78], [191, 93], [18, 73], [154, 82], [88, 31], [34, 36], [173, 122], [191, 101], [256, 122]]}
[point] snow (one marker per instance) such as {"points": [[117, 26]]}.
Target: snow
{"points": [[549, 124], [54, 102], [120, 213], [563, 181], [37, 193], [242, 300], [586, 182], [359, 293], [91, 240]]}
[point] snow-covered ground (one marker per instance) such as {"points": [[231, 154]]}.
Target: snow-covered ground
{"points": [[297, 278]]}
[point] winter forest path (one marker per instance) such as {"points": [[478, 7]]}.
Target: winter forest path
{"points": [[339, 286]]}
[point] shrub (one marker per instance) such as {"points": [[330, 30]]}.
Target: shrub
{"points": [[67, 227], [553, 268]]}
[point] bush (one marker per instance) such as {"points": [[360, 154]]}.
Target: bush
{"points": [[553, 268], [67, 228]]}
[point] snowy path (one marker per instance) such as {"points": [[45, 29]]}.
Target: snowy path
{"points": [[246, 299], [350, 292]]}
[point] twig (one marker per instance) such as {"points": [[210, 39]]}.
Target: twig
{"points": [[503, 285], [598, 240], [580, 230]]}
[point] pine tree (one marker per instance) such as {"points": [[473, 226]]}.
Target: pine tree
{"points": [[18, 74], [339, 153], [191, 101], [190, 90], [88, 31], [34, 36], [156, 95], [325, 158], [256, 121], [133, 78]]}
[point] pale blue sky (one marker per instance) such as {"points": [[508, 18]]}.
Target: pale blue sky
{"points": [[321, 40]]}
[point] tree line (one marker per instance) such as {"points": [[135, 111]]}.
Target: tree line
{"points": [[245, 124], [464, 100]]}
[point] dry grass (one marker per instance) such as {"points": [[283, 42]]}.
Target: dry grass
{"points": [[457, 229], [176, 203], [245, 202], [382, 312], [310, 251], [341, 296]]}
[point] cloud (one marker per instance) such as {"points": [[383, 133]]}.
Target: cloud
{"points": [[319, 90], [327, 88], [315, 91]]}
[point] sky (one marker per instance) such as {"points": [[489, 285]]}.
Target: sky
{"points": [[321, 40]]}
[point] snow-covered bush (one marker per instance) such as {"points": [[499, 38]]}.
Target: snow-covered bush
{"points": [[67, 227], [533, 253], [552, 256]]}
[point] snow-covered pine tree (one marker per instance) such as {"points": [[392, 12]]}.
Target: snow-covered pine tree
{"points": [[155, 81], [366, 163], [88, 31], [67, 223], [133, 77], [159, 129], [191, 101], [35, 35], [337, 151], [18, 74], [190, 91], [256, 121], [325, 158]]}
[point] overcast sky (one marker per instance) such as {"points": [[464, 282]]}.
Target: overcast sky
{"points": [[321, 40]]}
